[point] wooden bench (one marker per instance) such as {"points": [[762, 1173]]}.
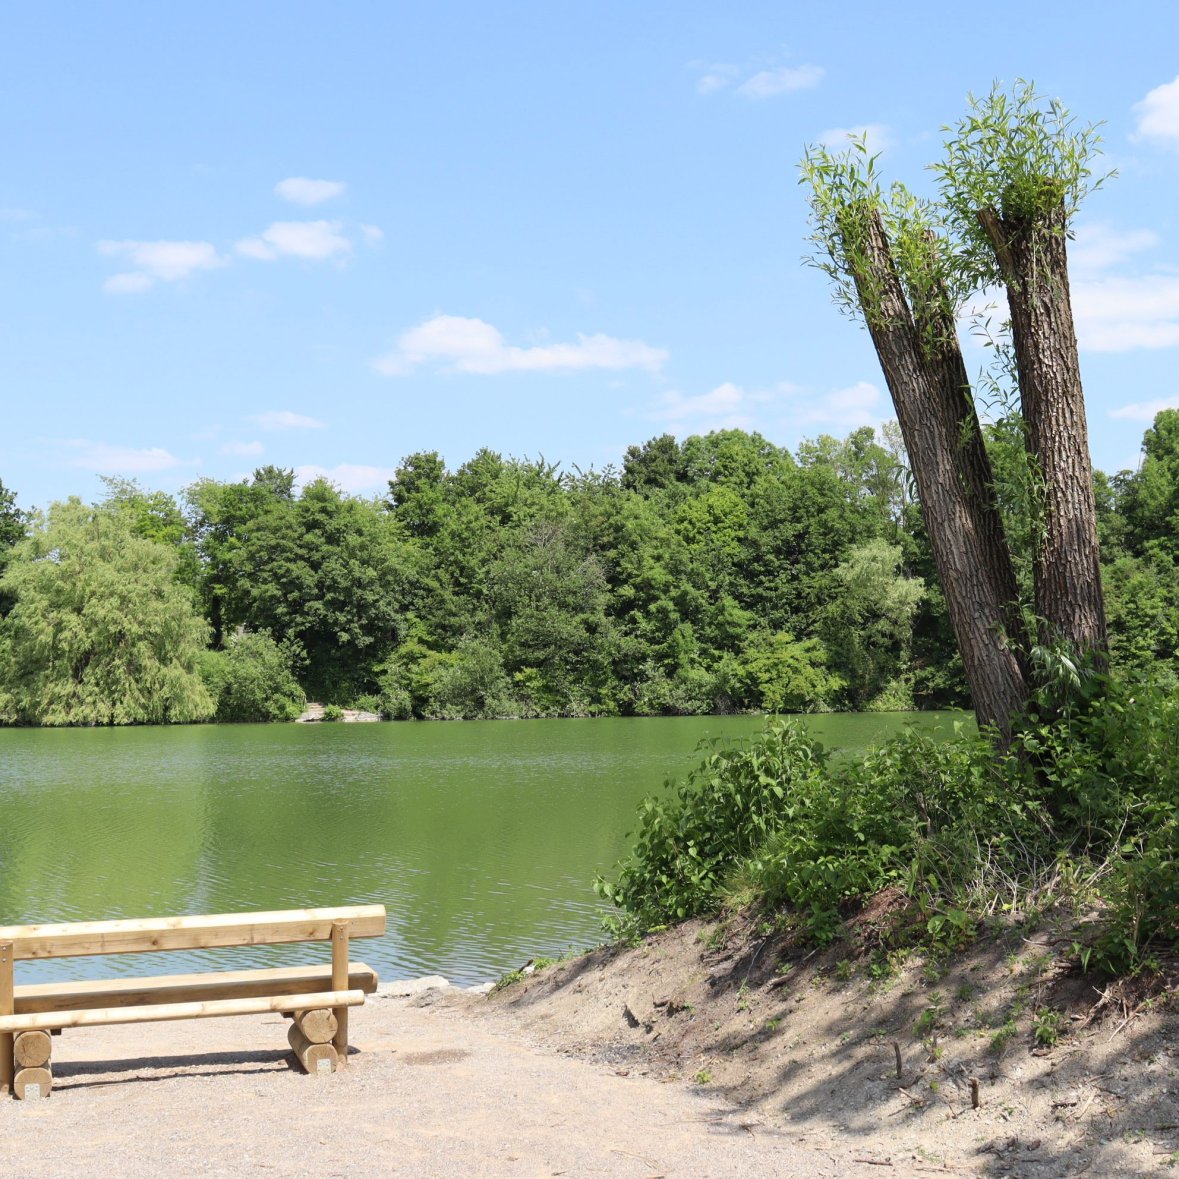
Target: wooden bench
{"points": [[316, 997]]}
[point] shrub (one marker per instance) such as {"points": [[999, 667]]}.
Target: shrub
{"points": [[1083, 800], [251, 680]]}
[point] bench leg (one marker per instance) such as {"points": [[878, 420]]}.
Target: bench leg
{"points": [[340, 983], [7, 1007]]}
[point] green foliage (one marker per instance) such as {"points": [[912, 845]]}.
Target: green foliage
{"points": [[1021, 155], [252, 680], [688, 844], [100, 632], [960, 828]]}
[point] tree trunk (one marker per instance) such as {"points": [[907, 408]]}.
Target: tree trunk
{"points": [[927, 380], [1032, 256]]}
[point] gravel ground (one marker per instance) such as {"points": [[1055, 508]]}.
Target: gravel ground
{"points": [[428, 1092]]}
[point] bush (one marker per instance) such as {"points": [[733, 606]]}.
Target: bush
{"points": [[961, 829], [251, 680]]}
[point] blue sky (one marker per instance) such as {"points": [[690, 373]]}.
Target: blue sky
{"points": [[328, 236]]}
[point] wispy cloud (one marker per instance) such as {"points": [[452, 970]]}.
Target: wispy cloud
{"points": [[455, 343], [300, 190], [727, 407], [103, 457], [783, 407], [782, 80], [9, 215], [1098, 246], [1145, 411], [754, 80], [160, 261], [284, 419], [243, 449], [879, 136], [354, 478], [314, 240], [1121, 314], [1158, 114]]}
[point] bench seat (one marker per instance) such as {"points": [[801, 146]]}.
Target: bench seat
{"points": [[188, 988], [159, 1012]]}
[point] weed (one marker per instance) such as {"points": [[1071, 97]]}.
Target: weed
{"points": [[1002, 1036], [931, 1016], [1047, 1025], [844, 970], [703, 1077], [772, 1025]]}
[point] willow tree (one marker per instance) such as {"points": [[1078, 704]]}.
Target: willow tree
{"points": [[891, 266], [1014, 174], [101, 632]]}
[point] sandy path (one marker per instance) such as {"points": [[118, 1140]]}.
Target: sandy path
{"points": [[429, 1093]]}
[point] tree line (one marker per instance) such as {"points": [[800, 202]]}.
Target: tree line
{"points": [[720, 574]]}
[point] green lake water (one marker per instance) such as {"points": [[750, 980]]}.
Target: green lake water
{"points": [[481, 838]]}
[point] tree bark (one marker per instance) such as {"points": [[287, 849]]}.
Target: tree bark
{"points": [[927, 379], [1032, 257]]}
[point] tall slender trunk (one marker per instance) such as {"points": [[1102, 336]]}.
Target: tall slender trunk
{"points": [[927, 380], [1067, 571]]}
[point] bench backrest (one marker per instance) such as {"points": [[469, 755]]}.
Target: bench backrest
{"points": [[189, 933]]}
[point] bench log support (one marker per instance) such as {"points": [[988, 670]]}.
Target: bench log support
{"points": [[339, 983], [7, 1007]]}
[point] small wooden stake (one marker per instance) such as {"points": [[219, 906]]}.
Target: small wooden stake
{"points": [[896, 1047], [340, 975], [32, 1083], [975, 1102], [7, 1007], [319, 1026], [315, 1058], [32, 1049]]}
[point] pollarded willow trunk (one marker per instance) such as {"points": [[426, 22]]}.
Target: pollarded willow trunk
{"points": [[926, 378], [1033, 260]]}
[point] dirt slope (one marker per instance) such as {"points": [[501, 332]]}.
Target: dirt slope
{"points": [[809, 1045]]}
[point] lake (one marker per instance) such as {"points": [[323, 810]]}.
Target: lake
{"points": [[481, 838]]}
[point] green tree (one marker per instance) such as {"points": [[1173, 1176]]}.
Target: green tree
{"points": [[325, 572], [101, 632], [870, 624]]}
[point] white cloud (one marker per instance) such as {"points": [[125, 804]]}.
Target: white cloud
{"points": [[300, 190], [162, 261], [132, 283], [11, 214], [373, 234], [353, 478], [857, 405], [243, 449], [783, 407], [1098, 246], [880, 137], [727, 407], [754, 80], [715, 76], [316, 240], [1158, 114], [1145, 411], [456, 343], [782, 80], [1120, 314], [284, 419], [103, 457]]}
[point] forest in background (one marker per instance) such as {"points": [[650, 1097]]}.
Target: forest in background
{"points": [[720, 574]]}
